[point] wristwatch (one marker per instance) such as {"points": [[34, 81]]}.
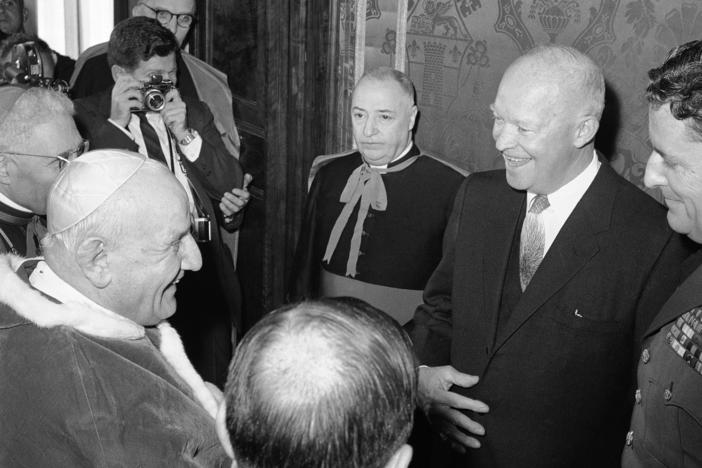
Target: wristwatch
{"points": [[190, 135]]}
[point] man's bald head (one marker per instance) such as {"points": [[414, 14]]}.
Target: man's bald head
{"points": [[324, 383]]}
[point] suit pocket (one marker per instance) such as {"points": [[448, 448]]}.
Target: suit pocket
{"points": [[583, 320]]}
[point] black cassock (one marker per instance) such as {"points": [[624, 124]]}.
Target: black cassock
{"points": [[400, 246]]}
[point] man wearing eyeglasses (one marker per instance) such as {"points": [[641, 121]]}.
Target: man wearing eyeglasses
{"points": [[196, 79], [39, 137]]}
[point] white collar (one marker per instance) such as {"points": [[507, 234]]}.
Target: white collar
{"points": [[566, 197], [396, 158], [45, 280]]}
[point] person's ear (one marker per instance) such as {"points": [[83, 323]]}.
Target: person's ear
{"points": [[413, 116], [25, 17], [585, 131], [223, 432], [92, 258], [117, 71], [401, 458]]}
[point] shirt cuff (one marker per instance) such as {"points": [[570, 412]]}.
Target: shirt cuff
{"points": [[191, 151]]}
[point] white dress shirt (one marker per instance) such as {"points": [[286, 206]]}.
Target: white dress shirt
{"points": [[562, 202], [168, 147]]}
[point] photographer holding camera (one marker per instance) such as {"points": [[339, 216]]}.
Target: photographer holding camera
{"points": [[145, 112]]}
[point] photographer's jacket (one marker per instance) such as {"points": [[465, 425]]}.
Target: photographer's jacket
{"points": [[81, 386]]}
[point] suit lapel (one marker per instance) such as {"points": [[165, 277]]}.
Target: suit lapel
{"points": [[572, 249], [501, 230]]}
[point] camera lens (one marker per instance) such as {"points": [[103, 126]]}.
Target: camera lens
{"points": [[154, 100]]}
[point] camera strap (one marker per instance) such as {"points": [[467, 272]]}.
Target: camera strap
{"points": [[199, 206]]}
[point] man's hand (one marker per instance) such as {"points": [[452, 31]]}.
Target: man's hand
{"points": [[442, 406], [174, 114], [126, 97], [235, 201]]}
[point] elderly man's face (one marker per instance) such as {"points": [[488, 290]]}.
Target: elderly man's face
{"points": [[382, 116], [675, 166], [149, 9], [31, 177], [534, 129], [12, 16], [155, 252]]}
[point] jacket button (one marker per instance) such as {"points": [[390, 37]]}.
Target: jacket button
{"points": [[667, 394], [629, 438], [645, 356], [637, 396]]}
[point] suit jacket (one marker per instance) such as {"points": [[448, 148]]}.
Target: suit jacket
{"points": [[214, 172], [557, 375]]}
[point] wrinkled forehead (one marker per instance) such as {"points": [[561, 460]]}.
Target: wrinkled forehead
{"points": [[174, 6]]}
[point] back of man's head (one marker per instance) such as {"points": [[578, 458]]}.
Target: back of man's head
{"points": [[328, 383], [138, 39], [678, 83]]}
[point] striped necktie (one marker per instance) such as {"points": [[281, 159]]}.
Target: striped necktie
{"points": [[532, 241]]}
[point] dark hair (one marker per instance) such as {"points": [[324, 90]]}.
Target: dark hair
{"points": [[138, 39], [344, 397], [678, 82]]}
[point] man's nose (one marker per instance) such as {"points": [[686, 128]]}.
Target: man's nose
{"points": [[654, 171], [503, 136], [191, 258], [370, 128]]}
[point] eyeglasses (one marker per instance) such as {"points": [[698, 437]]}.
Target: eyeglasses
{"points": [[63, 157], [164, 17], [8, 3]]}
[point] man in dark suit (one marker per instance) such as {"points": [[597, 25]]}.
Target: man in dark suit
{"points": [[183, 136], [197, 79], [666, 424], [551, 270]]}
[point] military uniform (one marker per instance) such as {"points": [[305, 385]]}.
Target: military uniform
{"points": [[666, 425]]}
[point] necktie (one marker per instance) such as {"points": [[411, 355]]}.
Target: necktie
{"points": [[365, 184], [153, 144], [533, 239]]}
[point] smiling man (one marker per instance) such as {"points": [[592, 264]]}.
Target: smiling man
{"points": [[666, 425], [376, 216], [92, 374], [182, 135], [552, 269]]}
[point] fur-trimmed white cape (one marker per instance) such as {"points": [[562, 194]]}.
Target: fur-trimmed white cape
{"points": [[32, 306]]}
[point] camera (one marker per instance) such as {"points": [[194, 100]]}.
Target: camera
{"points": [[201, 229], [27, 66], [155, 91]]}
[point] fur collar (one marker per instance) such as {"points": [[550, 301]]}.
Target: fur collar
{"points": [[29, 304]]}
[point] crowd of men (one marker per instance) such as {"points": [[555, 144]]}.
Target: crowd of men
{"points": [[547, 314]]}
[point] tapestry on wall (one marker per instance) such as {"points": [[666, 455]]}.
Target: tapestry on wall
{"points": [[455, 52]]}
